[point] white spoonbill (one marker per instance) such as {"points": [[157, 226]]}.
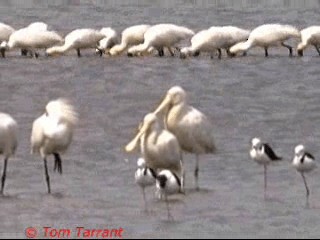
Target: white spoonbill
{"points": [[160, 36], [52, 133], [77, 39], [303, 162], [30, 40], [268, 35], [5, 32], [130, 36], [159, 147], [144, 177], [168, 183], [263, 154], [192, 128], [8, 141], [309, 36], [214, 39], [110, 39]]}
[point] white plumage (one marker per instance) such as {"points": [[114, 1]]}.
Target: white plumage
{"points": [[110, 39], [8, 141], [262, 154], [214, 39], [191, 127], [159, 147], [77, 40], [309, 36], [268, 35], [31, 39], [130, 36], [144, 177], [167, 183], [5, 32], [160, 36], [303, 162], [53, 131]]}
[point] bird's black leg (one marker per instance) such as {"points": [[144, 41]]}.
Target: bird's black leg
{"points": [[24, 52], [219, 53], [266, 52], [160, 52], [289, 47], [317, 48], [3, 179], [196, 172], [57, 163], [78, 52], [47, 174]]}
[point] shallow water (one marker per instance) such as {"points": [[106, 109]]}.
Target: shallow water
{"points": [[274, 98]]}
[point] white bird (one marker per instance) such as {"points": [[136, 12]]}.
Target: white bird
{"points": [[263, 154], [167, 183], [214, 39], [39, 26], [5, 32], [160, 36], [159, 147], [203, 41], [192, 128], [309, 36], [52, 133], [303, 162], [144, 177], [130, 36], [110, 39], [76, 40], [268, 35], [30, 40], [8, 141]]}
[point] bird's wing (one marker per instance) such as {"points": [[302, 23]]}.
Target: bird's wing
{"points": [[270, 152], [37, 136]]}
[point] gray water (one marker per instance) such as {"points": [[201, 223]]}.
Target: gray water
{"points": [[274, 98]]}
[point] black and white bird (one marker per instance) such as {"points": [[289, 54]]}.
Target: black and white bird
{"points": [[167, 183], [303, 163], [144, 177], [263, 154]]}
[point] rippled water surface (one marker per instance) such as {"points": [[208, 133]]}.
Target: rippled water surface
{"points": [[275, 98]]}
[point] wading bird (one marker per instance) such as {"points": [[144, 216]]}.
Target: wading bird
{"points": [[303, 163], [76, 40], [52, 133], [159, 147], [191, 127], [309, 36], [268, 35], [263, 154], [144, 177], [167, 183], [129, 37], [8, 141]]}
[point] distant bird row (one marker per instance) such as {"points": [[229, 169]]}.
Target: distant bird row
{"points": [[185, 129], [140, 40], [263, 154], [51, 135]]}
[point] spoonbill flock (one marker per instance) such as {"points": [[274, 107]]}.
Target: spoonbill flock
{"points": [[145, 39]]}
